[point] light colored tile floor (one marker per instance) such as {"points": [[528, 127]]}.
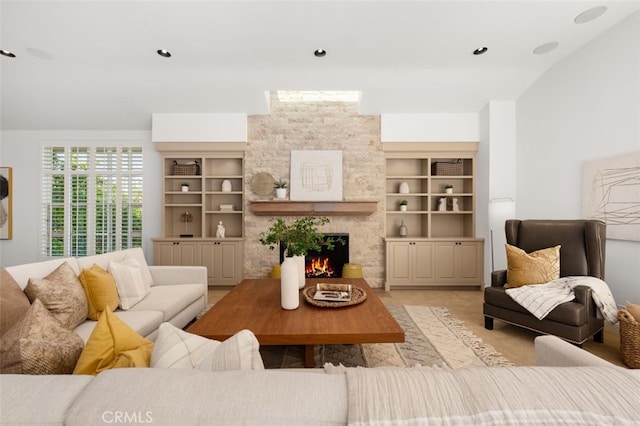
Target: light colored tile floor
{"points": [[515, 343]]}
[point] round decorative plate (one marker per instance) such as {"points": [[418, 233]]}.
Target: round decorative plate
{"points": [[262, 184], [358, 296]]}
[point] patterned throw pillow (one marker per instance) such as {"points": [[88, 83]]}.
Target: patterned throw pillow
{"points": [[100, 289], [39, 344], [130, 281], [113, 344], [175, 348], [538, 267], [13, 302], [62, 294]]}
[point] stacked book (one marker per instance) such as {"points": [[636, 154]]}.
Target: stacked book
{"points": [[333, 292], [226, 207]]}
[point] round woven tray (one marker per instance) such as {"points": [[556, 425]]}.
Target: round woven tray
{"points": [[358, 296]]}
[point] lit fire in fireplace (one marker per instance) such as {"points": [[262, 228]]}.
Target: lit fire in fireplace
{"points": [[319, 267]]}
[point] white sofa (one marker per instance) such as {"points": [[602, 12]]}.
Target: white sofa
{"points": [[569, 386], [178, 293]]}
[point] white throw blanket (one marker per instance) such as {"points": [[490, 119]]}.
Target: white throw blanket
{"points": [[540, 299]]}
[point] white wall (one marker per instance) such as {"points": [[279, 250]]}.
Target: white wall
{"points": [[461, 127], [585, 108], [21, 150], [496, 169]]}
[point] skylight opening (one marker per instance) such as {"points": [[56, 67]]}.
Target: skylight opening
{"points": [[352, 96]]}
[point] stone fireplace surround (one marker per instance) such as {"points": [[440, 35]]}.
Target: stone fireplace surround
{"points": [[319, 126]]}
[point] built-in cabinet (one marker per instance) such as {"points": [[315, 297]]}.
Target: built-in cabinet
{"points": [[202, 191], [432, 240]]}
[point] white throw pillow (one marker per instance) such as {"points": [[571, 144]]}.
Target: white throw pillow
{"points": [[130, 281], [175, 348]]}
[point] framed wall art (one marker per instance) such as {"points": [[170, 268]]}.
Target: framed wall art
{"points": [[316, 175], [611, 192], [6, 193]]}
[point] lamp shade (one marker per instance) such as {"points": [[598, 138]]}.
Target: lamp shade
{"points": [[500, 209]]}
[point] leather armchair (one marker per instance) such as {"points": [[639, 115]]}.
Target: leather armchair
{"points": [[582, 252]]}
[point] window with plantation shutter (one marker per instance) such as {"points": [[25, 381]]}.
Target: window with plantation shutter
{"points": [[91, 200]]}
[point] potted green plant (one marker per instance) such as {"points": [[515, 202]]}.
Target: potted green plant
{"points": [[403, 205], [281, 188], [298, 238], [448, 189]]}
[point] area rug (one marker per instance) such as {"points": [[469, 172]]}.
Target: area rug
{"points": [[432, 338]]}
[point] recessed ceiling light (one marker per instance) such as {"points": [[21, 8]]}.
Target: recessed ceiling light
{"points": [[544, 48], [164, 53], [320, 53], [480, 50], [590, 14], [7, 53]]}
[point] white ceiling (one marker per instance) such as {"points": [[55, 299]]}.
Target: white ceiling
{"points": [[93, 64]]}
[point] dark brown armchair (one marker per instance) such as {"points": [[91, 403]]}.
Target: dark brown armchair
{"points": [[582, 252]]}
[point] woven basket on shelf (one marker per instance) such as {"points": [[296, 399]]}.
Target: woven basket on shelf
{"points": [[185, 169], [629, 339], [446, 168]]}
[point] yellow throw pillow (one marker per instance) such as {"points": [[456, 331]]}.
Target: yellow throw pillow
{"points": [[538, 267], [634, 310], [113, 344], [100, 288]]}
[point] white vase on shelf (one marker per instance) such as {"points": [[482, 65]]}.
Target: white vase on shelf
{"points": [[289, 279], [404, 188], [226, 186]]}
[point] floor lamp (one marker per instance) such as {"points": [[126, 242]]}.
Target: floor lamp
{"points": [[500, 209]]}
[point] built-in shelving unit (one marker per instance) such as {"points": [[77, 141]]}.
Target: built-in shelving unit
{"points": [[214, 175], [440, 246]]}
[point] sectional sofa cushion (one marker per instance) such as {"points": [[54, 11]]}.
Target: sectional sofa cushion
{"points": [[39, 344], [175, 348], [191, 397], [538, 267], [38, 400], [62, 294], [130, 282], [100, 289], [170, 299], [13, 302], [113, 344]]}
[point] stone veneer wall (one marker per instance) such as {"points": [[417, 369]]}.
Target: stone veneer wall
{"points": [[319, 126]]}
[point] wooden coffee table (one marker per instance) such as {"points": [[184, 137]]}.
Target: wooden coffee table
{"points": [[254, 304]]}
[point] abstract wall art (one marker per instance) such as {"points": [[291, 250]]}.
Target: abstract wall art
{"points": [[6, 193], [611, 192], [316, 175]]}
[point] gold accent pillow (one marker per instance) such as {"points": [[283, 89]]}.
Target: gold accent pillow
{"points": [[113, 344], [62, 294], [39, 344], [538, 267], [100, 288]]}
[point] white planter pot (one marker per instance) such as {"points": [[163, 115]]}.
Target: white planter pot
{"points": [[448, 190], [403, 208], [289, 278], [281, 193], [301, 275]]}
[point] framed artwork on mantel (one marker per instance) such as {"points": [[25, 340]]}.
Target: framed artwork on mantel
{"points": [[316, 175], [6, 193]]}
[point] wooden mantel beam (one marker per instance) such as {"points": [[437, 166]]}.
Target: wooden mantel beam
{"points": [[313, 208]]}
